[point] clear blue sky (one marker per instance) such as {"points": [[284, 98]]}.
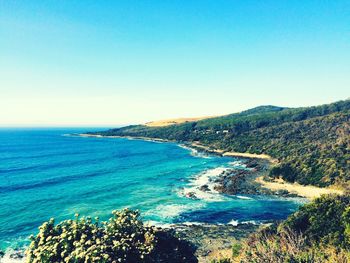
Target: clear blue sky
{"points": [[115, 62]]}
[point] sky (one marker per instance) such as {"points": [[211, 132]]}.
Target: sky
{"points": [[116, 62]]}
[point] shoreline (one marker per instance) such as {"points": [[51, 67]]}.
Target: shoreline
{"points": [[214, 241], [234, 154], [87, 135], [255, 179]]}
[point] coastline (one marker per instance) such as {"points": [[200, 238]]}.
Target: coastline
{"points": [[123, 137], [234, 154], [254, 180], [213, 241]]}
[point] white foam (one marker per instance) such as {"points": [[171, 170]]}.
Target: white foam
{"points": [[158, 224], [238, 163], [7, 257], [233, 222], [172, 210], [205, 178], [244, 197], [253, 222], [194, 152]]}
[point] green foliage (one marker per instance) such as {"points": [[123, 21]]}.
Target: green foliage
{"points": [[123, 238], [312, 144], [325, 221], [288, 246], [346, 221], [317, 232], [236, 249]]}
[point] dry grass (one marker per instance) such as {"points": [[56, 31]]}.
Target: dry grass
{"points": [[168, 122], [288, 246]]}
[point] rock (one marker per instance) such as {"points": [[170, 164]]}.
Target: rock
{"points": [[191, 195], [18, 254], [204, 188]]}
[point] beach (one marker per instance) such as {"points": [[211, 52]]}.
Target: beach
{"points": [[307, 191]]}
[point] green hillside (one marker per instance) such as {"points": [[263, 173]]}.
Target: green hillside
{"points": [[312, 144]]}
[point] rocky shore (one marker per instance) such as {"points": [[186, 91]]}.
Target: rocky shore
{"points": [[243, 181], [212, 241]]}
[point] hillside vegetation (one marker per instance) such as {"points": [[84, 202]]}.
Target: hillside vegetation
{"points": [[308, 235], [312, 144]]}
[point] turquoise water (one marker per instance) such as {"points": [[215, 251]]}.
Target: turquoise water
{"points": [[46, 173]]}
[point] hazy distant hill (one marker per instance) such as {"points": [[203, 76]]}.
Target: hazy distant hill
{"points": [[312, 143]]}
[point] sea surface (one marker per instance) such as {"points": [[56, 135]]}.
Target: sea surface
{"points": [[48, 173]]}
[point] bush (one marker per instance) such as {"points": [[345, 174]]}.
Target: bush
{"points": [[326, 220], [288, 246], [236, 249], [123, 238], [317, 232]]}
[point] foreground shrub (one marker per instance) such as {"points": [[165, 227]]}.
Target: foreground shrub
{"points": [[288, 246], [325, 221], [123, 238], [317, 232]]}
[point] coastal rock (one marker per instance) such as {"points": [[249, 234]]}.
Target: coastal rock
{"points": [[208, 238], [204, 188], [191, 195], [19, 254]]}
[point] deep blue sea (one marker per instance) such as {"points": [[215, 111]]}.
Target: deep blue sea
{"points": [[47, 173]]}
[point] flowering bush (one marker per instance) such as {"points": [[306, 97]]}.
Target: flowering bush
{"points": [[123, 238]]}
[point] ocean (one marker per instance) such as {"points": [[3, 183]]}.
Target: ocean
{"points": [[48, 173]]}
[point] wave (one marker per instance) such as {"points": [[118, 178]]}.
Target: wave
{"points": [[253, 222], [203, 186], [166, 212], [195, 152], [244, 197], [238, 164], [233, 222]]}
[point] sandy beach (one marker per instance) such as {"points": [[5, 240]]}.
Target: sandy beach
{"points": [[307, 191], [235, 154]]}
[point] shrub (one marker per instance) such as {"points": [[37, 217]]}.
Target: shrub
{"points": [[123, 238], [236, 249], [317, 232], [325, 220], [288, 246]]}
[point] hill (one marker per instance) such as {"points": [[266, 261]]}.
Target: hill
{"points": [[168, 122], [312, 144]]}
